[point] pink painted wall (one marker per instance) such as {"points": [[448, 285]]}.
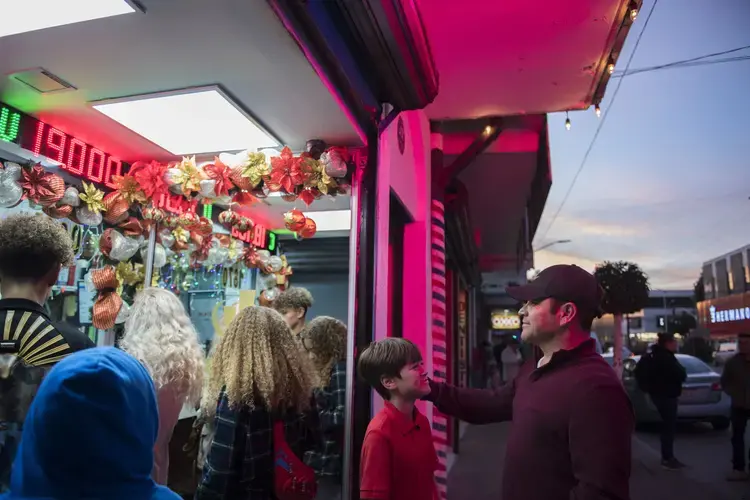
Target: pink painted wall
{"points": [[408, 175]]}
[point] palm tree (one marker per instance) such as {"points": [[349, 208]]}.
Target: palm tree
{"points": [[626, 291]]}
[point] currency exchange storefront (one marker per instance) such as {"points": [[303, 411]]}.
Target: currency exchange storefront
{"points": [[725, 317]]}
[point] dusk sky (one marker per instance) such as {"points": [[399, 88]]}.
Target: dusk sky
{"points": [[667, 183]]}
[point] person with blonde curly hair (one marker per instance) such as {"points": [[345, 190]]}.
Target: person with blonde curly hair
{"points": [[258, 376], [159, 333], [33, 251], [293, 304], [324, 339]]}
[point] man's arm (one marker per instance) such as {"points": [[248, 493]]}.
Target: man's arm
{"points": [[375, 473], [600, 437], [475, 406]]}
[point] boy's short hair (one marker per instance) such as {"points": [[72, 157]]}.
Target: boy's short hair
{"points": [[32, 245], [386, 358], [293, 298]]}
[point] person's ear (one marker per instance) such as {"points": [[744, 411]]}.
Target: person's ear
{"points": [[51, 277], [567, 312], [301, 312], [388, 382]]}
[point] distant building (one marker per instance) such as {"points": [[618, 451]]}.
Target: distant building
{"points": [[725, 312], [646, 324]]}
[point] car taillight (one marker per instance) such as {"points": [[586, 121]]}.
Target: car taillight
{"points": [[716, 386]]}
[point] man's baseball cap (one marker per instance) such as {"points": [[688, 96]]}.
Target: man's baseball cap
{"points": [[565, 282]]}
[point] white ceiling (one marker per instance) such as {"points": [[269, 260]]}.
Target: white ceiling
{"points": [[498, 58], [239, 44]]}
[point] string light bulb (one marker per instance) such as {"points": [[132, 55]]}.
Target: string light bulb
{"points": [[488, 130], [633, 11], [611, 67], [598, 111], [567, 121]]}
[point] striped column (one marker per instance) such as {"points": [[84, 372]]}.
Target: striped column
{"points": [[439, 348]]}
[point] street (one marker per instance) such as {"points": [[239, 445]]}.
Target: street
{"points": [[707, 453]]}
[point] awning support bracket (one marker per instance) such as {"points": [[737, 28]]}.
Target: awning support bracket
{"points": [[484, 140]]}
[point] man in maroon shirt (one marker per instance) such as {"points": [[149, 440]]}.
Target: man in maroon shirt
{"points": [[572, 420]]}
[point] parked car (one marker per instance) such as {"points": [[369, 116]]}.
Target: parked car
{"points": [[702, 399]]}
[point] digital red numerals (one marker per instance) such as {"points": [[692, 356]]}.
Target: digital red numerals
{"points": [[56, 145], [259, 236], [75, 156]]}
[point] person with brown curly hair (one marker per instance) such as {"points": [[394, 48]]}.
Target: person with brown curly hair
{"points": [[33, 250], [324, 339], [258, 378], [293, 304]]}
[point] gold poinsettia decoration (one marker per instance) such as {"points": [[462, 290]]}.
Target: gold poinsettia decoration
{"points": [[129, 188], [190, 176], [181, 234], [235, 249], [129, 274], [255, 167], [92, 197], [315, 175]]}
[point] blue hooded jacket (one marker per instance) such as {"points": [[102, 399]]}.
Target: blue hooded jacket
{"points": [[90, 433]]}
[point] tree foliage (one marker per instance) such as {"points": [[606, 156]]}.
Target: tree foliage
{"points": [[699, 291], [682, 323], [625, 287]]}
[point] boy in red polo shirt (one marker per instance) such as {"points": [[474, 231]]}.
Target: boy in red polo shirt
{"points": [[398, 456]]}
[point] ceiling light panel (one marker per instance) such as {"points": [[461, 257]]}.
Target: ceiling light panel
{"points": [[32, 15], [203, 121], [331, 220]]}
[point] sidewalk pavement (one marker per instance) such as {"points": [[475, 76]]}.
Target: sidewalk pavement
{"points": [[476, 474]]}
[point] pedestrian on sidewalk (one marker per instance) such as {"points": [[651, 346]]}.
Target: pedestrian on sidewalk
{"points": [[735, 381], [572, 420], [660, 375]]}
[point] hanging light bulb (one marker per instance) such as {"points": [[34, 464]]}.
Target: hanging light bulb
{"points": [[567, 121], [598, 111], [633, 11]]}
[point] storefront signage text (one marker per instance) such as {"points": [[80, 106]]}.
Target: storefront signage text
{"points": [[505, 320], [258, 236], [728, 315], [74, 156], [176, 204]]}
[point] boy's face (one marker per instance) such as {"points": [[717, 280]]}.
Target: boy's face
{"points": [[411, 384], [294, 317]]}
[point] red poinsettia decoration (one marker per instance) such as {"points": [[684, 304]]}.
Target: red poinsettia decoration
{"points": [[286, 172], [150, 177], [220, 173], [244, 198], [308, 195], [42, 187]]}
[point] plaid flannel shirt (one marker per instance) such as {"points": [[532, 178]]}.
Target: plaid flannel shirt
{"points": [[331, 403], [240, 463]]}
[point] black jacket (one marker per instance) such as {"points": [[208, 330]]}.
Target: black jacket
{"points": [[660, 374], [28, 332]]}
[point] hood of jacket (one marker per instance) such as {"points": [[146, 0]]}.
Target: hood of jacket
{"points": [[90, 432]]}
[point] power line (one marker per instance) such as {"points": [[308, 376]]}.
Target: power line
{"points": [[688, 65], [603, 120], [620, 74]]}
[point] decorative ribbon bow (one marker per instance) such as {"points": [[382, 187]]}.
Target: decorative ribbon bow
{"points": [[108, 303]]}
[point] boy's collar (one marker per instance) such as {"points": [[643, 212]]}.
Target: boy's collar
{"points": [[404, 424]]}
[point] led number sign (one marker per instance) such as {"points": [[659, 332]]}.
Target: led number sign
{"points": [[258, 236], [176, 204], [74, 155], [10, 124]]}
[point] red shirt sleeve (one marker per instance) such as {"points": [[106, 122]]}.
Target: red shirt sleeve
{"points": [[375, 468]]}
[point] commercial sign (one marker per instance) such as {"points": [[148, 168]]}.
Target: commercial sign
{"points": [[726, 316], [505, 319], [74, 156]]}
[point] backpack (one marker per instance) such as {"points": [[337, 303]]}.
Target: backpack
{"points": [[643, 373], [293, 480]]}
